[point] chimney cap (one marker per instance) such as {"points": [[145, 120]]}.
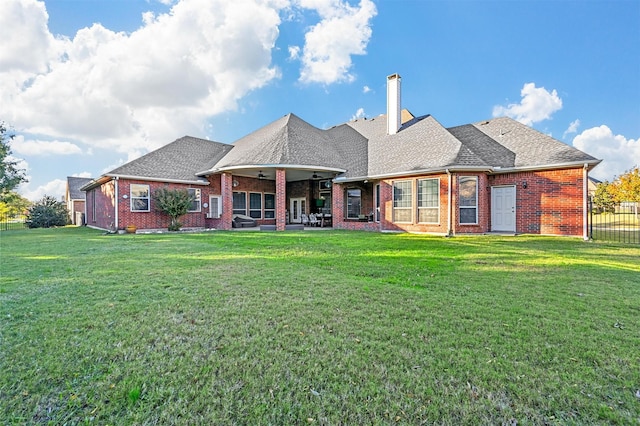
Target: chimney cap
{"points": [[393, 76]]}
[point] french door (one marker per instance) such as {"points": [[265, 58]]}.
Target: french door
{"points": [[297, 206]]}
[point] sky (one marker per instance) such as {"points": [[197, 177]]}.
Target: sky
{"points": [[87, 85]]}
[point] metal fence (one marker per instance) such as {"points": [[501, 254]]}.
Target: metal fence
{"points": [[619, 223], [10, 223]]}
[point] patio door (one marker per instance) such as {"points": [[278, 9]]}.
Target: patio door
{"points": [[297, 208], [503, 208]]}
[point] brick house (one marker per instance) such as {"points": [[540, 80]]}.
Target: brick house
{"points": [[394, 172], [75, 199]]}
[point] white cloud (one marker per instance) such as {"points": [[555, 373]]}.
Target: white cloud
{"points": [[55, 188], [27, 45], [366, 89], [618, 153], [36, 147], [537, 104], [82, 175], [134, 91], [573, 128], [359, 114], [343, 31], [294, 52]]}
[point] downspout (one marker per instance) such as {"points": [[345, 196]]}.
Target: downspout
{"points": [[585, 201], [449, 210], [115, 224]]}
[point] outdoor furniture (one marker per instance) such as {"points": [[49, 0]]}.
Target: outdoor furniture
{"points": [[313, 220], [242, 221], [305, 219]]}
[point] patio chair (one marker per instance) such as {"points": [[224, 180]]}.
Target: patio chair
{"points": [[305, 219], [313, 220]]}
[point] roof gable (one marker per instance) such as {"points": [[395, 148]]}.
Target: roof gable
{"points": [[73, 187], [179, 160]]}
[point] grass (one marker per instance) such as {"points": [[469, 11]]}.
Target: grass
{"points": [[316, 328]]}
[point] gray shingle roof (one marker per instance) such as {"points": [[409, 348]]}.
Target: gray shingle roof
{"points": [[74, 184], [179, 160], [292, 141], [531, 148]]}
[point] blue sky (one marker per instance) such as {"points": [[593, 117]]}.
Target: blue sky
{"points": [[88, 84]]}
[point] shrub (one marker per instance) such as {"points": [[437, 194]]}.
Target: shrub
{"points": [[47, 213], [174, 203]]}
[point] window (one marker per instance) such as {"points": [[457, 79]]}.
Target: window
{"points": [[269, 206], [194, 193], [255, 205], [402, 201], [240, 203], [429, 200], [215, 206], [353, 203], [468, 190], [139, 195]]}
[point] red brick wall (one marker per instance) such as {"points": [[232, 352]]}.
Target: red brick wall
{"points": [[104, 199], [281, 199], [483, 200], [386, 206], [551, 204]]}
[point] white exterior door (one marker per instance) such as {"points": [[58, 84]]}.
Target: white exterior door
{"points": [[297, 208], [503, 208]]}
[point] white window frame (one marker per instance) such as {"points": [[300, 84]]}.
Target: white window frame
{"points": [[197, 198], [403, 208], [132, 197], [218, 213], [464, 179], [437, 207], [269, 213], [258, 210]]}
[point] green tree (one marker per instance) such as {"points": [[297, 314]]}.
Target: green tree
{"points": [[47, 213], [603, 197], [173, 202], [10, 175], [626, 188], [13, 204]]}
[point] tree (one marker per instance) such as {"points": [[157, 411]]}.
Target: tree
{"points": [[173, 202], [47, 213], [10, 175], [13, 204], [627, 186], [603, 197]]}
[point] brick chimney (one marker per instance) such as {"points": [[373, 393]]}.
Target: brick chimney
{"points": [[393, 104]]}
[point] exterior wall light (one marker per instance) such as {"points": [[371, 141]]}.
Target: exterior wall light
{"points": [[524, 184]]}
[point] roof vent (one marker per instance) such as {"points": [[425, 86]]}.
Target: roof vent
{"points": [[393, 104]]}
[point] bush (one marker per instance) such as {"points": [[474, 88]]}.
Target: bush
{"points": [[174, 203], [47, 213]]}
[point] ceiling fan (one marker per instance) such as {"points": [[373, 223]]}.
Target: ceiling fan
{"points": [[260, 175], [316, 176]]}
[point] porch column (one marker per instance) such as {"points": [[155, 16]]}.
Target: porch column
{"points": [[281, 200], [226, 188]]}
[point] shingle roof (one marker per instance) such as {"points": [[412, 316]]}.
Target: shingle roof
{"points": [[179, 160], [292, 141], [531, 148], [74, 184]]}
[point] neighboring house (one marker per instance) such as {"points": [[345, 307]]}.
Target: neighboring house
{"points": [[394, 172], [75, 199], [592, 186]]}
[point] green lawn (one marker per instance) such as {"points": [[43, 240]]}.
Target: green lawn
{"points": [[316, 328]]}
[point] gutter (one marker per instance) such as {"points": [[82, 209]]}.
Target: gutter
{"points": [[585, 201], [108, 177], [450, 209], [415, 172], [116, 205], [272, 166]]}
